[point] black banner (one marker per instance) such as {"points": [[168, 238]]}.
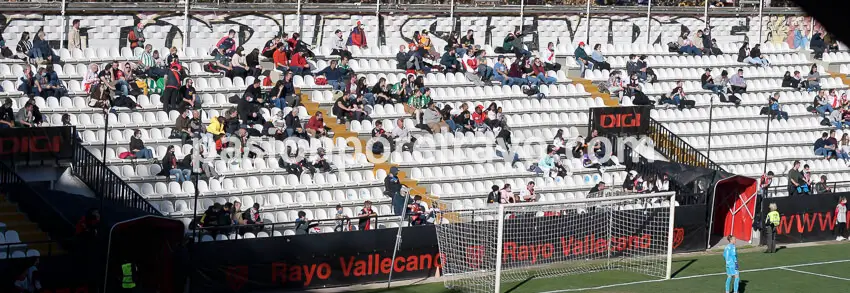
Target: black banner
{"points": [[347, 258], [620, 120], [804, 218], [37, 144]]}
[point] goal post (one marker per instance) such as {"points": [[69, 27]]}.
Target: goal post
{"points": [[631, 233]]}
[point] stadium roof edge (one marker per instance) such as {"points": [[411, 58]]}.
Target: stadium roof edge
{"points": [[530, 10]]}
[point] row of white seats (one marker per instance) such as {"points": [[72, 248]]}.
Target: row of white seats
{"points": [[110, 54], [568, 49], [757, 140], [262, 184], [757, 155], [753, 85], [466, 172], [542, 184], [269, 215], [694, 73], [273, 201], [722, 113], [745, 126]]}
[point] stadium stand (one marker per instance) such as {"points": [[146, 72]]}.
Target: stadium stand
{"points": [[452, 170]]}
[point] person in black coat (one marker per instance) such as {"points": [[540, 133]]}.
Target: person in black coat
{"points": [[818, 45], [170, 167], [249, 111], [252, 60], [293, 125]]}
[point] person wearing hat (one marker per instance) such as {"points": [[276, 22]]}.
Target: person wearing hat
{"points": [[582, 59], [357, 37], [392, 187], [450, 63]]}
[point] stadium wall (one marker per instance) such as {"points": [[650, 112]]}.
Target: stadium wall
{"points": [[804, 218], [167, 29], [343, 259]]}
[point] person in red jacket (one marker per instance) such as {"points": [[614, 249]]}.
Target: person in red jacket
{"points": [[316, 126], [539, 70], [298, 64], [479, 116]]}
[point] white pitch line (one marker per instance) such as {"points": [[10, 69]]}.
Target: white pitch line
{"points": [[816, 274], [703, 275]]}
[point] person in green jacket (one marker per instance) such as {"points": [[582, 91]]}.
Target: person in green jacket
{"points": [[582, 59]]}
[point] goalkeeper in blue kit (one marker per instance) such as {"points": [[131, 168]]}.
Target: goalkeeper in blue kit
{"points": [[730, 253]]}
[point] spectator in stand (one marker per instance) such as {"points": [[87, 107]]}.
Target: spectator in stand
{"points": [[181, 127], [137, 146], [338, 45], [240, 69], [119, 82], [346, 109], [599, 59], [271, 46], [551, 62], [756, 58], [597, 190], [633, 67], [342, 222], [392, 187], [663, 183], [517, 74], [539, 70], [527, 194], [22, 50], [320, 162], [737, 83], [818, 46], [506, 195], [687, 46], [367, 214], [334, 75], [467, 42], [27, 83], [836, 146], [432, 119], [676, 95], [634, 89], [252, 217], [697, 41], [172, 57], [293, 124], [303, 225], [823, 103], [401, 58], [792, 81], [298, 64], [252, 61], [74, 35], [227, 43], [764, 183], [715, 48], [316, 126], [708, 83], [822, 186], [807, 175], [147, 63], [450, 63], [706, 41], [744, 53], [357, 37], [582, 59], [420, 99], [222, 62], [401, 137], [169, 167], [25, 116], [494, 196], [382, 93], [171, 96], [776, 108], [136, 37], [281, 62], [189, 99], [615, 85], [844, 145], [796, 183], [500, 72], [89, 79], [812, 82]]}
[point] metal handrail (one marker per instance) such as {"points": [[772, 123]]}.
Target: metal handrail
{"points": [[106, 184]]}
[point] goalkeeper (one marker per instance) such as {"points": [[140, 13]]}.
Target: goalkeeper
{"points": [[730, 253]]}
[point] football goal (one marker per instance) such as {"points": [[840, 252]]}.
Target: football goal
{"points": [[556, 239]]}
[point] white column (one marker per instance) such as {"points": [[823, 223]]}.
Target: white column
{"points": [[705, 14], [452, 13], [761, 25], [587, 19], [649, 23], [298, 17], [521, 13], [186, 26], [670, 233], [64, 27]]}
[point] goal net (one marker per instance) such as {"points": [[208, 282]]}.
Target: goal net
{"points": [[555, 239]]}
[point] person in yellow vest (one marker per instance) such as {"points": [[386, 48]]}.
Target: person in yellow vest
{"points": [[770, 224], [127, 281]]}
